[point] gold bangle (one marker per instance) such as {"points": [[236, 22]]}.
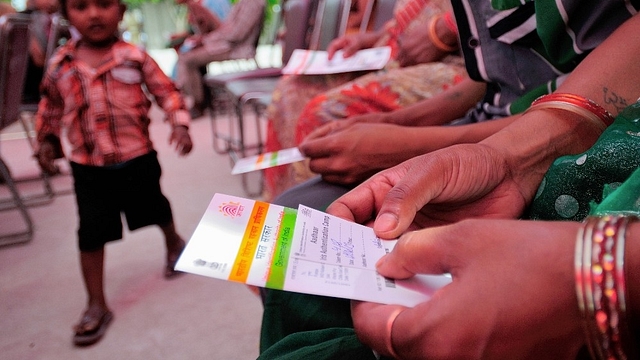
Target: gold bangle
{"points": [[436, 40]]}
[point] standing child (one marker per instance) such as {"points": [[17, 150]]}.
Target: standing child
{"points": [[93, 89]]}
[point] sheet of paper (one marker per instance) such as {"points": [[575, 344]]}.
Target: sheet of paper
{"points": [[312, 62], [302, 250], [267, 160]]}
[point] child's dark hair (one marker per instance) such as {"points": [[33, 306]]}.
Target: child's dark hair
{"points": [[63, 8]]}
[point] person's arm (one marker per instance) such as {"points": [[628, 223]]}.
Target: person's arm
{"points": [[202, 18], [426, 42], [451, 104], [351, 43], [170, 100], [609, 76], [346, 153], [48, 126], [243, 18]]}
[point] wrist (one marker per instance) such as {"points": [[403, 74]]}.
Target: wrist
{"points": [[529, 156], [601, 287], [442, 36]]}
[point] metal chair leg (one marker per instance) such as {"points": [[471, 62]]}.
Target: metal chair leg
{"points": [[19, 236]]}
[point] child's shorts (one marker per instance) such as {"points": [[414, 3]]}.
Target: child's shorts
{"points": [[103, 193]]}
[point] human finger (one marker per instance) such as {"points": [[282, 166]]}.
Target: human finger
{"points": [[360, 204], [321, 131], [456, 177], [336, 45], [373, 324]]}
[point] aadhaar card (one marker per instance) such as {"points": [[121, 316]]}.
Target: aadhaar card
{"points": [[267, 160], [301, 250]]}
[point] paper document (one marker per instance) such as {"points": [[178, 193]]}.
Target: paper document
{"points": [[312, 62], [267, 160], [301, 250]]}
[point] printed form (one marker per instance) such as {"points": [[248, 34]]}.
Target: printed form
{"points": [[302, 250]]}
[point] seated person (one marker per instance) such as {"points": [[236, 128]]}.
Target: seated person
{"points": [[236, 38], [418, 70], [494, 177], [203, 17]]}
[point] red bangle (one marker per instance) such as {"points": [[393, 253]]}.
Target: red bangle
{"points": [[574, 103], [450, 22]]}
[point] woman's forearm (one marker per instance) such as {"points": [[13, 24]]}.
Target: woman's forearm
{"points": [[440, 109], [421, 140], [609, 75]]}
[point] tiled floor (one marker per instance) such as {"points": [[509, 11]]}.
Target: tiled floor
{"points": [[191, 317]]}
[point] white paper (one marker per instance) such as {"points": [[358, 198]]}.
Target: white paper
{"points": [[311, 62], [305, 251]]}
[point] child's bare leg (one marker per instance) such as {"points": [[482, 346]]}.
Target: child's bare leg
{"points": [[97, 315], [175, 244]]}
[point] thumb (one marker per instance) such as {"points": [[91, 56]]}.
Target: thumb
{"points": [[425, 251], [419, 180]]}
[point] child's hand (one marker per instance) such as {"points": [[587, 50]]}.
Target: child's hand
{"points": [[46, 156], [180, 136]]}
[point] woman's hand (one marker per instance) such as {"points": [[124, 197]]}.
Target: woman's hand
{"points": [[348, 152], [512, 295], [441, 187], [415, 47], [351, 43]]}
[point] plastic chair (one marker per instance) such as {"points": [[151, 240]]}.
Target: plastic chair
{"points": [[14, 40]]}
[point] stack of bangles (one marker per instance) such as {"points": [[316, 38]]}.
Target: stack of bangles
{"points": [[576, 104], [600, 286], [433, 35]]}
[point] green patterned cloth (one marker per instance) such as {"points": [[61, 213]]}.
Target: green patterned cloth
{"points": [[573, 185]]}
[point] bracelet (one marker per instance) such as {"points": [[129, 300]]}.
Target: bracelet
{"points": [[601, 288], [576, 104], [436, 40]]}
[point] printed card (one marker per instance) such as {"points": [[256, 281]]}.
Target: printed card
{"points": [[267, 160], [315, 62], [301, 250]]}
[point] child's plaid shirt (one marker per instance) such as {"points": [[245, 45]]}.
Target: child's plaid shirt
{"points": [[105, 110]]}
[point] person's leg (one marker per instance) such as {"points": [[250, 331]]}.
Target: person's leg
{"points": [[175, 244], [99, 222], [92, 264], [144, 204], [97, 316], [189, 78]]}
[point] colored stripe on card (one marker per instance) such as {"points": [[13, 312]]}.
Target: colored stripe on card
{"points": [[283, 249], [274, 159], [249, 244]]}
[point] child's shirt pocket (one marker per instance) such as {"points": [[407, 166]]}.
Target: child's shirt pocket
{"points": [[126, 86]]}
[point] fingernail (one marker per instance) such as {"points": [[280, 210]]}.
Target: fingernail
{"points": [[386, 222]]}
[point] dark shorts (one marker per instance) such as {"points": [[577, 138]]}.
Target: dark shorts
{"points": [[103, 193]]}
